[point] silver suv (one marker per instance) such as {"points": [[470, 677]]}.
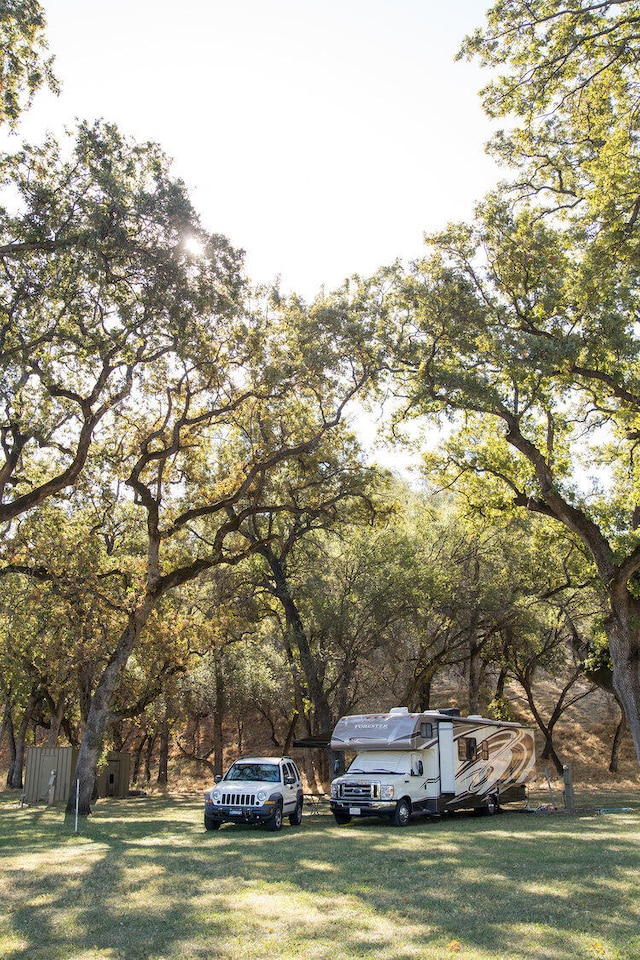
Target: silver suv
{"points": [[256, 790]]}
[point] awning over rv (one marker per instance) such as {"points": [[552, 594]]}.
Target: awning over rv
{"points": [[319, 740]]}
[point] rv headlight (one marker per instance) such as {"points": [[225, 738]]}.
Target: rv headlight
{"points": [[334, 790], [386, 791]]}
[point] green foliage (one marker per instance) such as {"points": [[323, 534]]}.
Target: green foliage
{"points": [[567, 75], [161, 420], [499, 709], [99, 294], [24, 66]]}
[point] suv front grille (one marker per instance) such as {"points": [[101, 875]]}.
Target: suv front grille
{"points": [[359, 791], [239, 800]]}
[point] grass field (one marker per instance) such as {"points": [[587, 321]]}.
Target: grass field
{"points": [[142, 879]]}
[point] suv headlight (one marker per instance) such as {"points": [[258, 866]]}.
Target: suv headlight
{"points": [[386, 791], [262, 795], [216, 796]]}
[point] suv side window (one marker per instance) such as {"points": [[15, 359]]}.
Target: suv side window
{"points": [[288, 770]]}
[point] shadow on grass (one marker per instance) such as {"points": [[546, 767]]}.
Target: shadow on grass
{"points": [[143, 879]]}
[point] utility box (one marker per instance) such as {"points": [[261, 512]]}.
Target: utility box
{"points": [[113, 780]]}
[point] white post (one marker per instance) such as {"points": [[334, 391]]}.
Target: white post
{"points": [[77, 803]]}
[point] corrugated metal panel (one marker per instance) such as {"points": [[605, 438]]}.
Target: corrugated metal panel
{"points": [[40, 763], [113, 780]]}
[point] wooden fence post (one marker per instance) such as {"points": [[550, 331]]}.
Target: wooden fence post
{"points": [[568, 787]]}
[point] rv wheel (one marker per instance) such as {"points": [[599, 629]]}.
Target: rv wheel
{"points": [[492, 806], [342, 819], [402, 814]]}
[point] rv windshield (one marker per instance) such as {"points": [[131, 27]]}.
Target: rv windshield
{"points": [[380, 761]]}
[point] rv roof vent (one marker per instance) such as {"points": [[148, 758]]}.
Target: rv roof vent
{"points": [[399, 710], [450, 712], [474, 716]]}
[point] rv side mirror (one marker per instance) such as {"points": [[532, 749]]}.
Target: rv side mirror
{"points": [[336, 766]]}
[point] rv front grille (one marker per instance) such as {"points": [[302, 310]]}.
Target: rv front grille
{"points": [[239, 799], [359, 791]]}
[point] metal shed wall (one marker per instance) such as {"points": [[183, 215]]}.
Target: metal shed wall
{"points": [[114, 778], [41, 761]]}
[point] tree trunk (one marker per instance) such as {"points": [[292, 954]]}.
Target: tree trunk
{"points": [[137, 758], [218, 720], [57, 716], [11, 740], [290, 733], [163, 759], [623, 632], [98, 716], [323, 714], [14, 778], [117, 736], [617, 741], [549, 752], [418, 697], [151, 743], [6, 718], [547, 729], [424, 693], [475, 677], [85, 683]]}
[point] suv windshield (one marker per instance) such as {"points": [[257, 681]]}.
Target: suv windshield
{"points": [[254, 771]]}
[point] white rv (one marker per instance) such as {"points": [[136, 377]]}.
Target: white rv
{"points": [[412, 764]]}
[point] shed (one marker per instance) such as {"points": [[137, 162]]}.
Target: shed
{"points": [[113, 780]]}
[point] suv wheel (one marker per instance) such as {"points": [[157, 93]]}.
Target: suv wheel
{"points": [[210, 824], [402, 814], [295, 818], [275, 821]]}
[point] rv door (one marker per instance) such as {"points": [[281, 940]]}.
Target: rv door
{"points": [[447, 762]]}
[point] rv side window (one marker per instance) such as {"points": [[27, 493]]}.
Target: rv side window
{"points": [[484, 748], [426, 731], [467, 748]]}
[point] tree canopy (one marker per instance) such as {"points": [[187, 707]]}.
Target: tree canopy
{"points": [[522, 326], [25, 66], [186, 516]]}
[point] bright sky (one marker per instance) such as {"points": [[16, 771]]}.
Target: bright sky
{"points": [[321, 136]]}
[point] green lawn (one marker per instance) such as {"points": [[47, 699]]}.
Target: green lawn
{"points": [[142, 879]]}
